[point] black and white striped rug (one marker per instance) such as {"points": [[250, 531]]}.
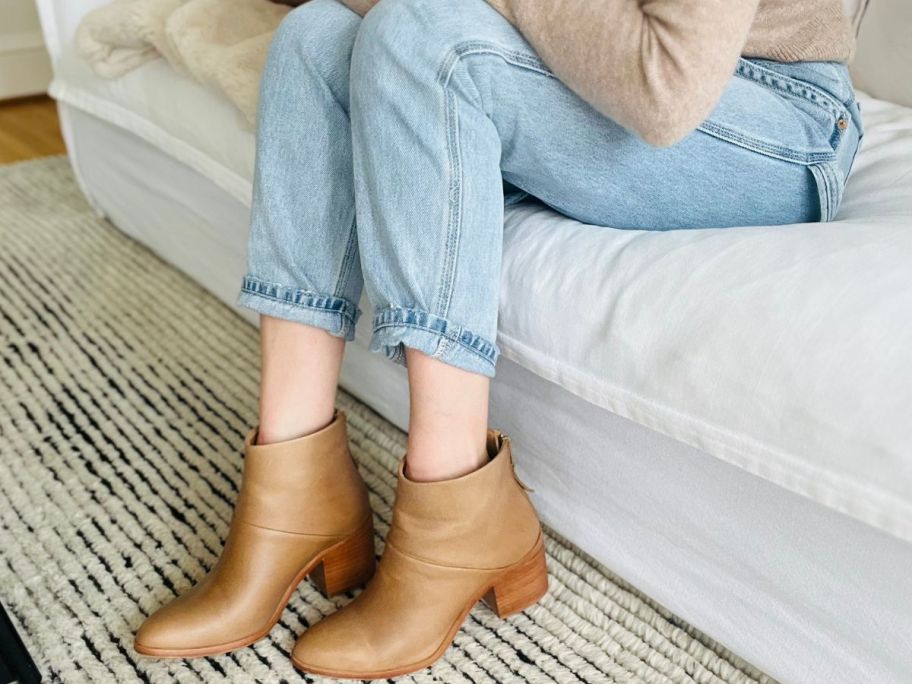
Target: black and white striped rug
{"points": [[125, 394]]}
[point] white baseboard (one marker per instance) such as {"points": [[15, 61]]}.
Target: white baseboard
{"points": [[25, 68]]}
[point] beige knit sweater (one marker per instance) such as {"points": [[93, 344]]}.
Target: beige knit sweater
{"points": [[658, 67]]}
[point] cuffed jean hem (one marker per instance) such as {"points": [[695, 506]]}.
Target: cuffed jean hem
{"points": [[396, 328], [335, 315]]}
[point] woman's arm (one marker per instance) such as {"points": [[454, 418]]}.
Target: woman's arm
{"points": [[657, 67]]}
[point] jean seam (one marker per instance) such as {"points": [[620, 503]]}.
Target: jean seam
{"points": [[823, 190], [760, 147], [443, 346], [801, 90], [454, 162], [829, 186], [347, 263], [515, 57], [830, 190], [454, 203], [835, 188]]}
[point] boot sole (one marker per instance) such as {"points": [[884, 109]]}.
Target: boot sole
{"points": [[517, 588], [336, 570]]}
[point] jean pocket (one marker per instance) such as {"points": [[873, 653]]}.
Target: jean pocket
{"points": [[787, 119]]}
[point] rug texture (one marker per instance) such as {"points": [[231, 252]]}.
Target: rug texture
{"points": [[125, 394]]}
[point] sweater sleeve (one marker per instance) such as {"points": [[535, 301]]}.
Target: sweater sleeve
{"points": [[657, 67]]}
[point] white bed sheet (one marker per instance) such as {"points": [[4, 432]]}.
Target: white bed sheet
{"points": [[804, 592]]}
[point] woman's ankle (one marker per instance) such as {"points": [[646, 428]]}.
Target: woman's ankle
{"points": [[448, 420], [442, 461], [300, 372], [275, 429]]}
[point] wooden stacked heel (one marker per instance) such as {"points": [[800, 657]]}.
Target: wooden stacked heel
{"points": [[349, 564], [521, 586]]}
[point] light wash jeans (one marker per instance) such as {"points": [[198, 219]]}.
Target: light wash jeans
{"points": [[388, 147]]}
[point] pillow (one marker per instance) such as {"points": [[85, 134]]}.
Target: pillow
{"points": [[883, 58], [854, 10]]}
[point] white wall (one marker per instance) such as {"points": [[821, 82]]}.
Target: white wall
{"points": [[24, 65]]}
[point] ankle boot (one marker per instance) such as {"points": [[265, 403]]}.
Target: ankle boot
{"points": [[302, 510], [451, 544]]}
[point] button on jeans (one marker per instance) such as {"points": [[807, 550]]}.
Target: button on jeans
{"points": [[385, 145]]}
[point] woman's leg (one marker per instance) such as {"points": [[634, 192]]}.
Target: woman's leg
{"points": [[447, 100], [304, 272], [299, 375], [448, 419], [429, 219], [302, 506]]}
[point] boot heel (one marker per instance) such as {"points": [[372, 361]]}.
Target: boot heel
{"points": [[521, 586], [349, 564]]}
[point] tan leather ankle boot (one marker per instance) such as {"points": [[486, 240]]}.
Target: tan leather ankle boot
{"points": [[302, 509], [451, 543]]}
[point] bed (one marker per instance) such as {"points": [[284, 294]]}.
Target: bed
{"points": [[727, 425]]}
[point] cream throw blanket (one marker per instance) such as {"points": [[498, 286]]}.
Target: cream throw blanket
{"points": [[221, 43]]}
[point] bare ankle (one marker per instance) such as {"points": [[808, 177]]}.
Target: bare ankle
{"points": [[442, 464], [274, 429], [300, 371]]}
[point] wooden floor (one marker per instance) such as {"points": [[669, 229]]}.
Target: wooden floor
{"points": [[29, 129]]}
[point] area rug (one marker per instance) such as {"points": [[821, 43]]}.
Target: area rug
{"points": [[125, 394]]}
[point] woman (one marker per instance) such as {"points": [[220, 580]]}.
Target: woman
{"points": [[385, 145]]}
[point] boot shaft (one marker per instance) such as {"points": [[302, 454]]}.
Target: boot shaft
{"points": [[480, 520], [308, 485]]}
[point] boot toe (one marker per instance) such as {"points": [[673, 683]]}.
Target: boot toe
{"points": [[339, 647], [160, 632], [173, 631]]}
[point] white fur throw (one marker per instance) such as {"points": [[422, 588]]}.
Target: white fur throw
{"points": [[221, 43]]}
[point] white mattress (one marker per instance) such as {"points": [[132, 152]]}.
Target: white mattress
{"points": [[805, 593], [785, 352]]}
